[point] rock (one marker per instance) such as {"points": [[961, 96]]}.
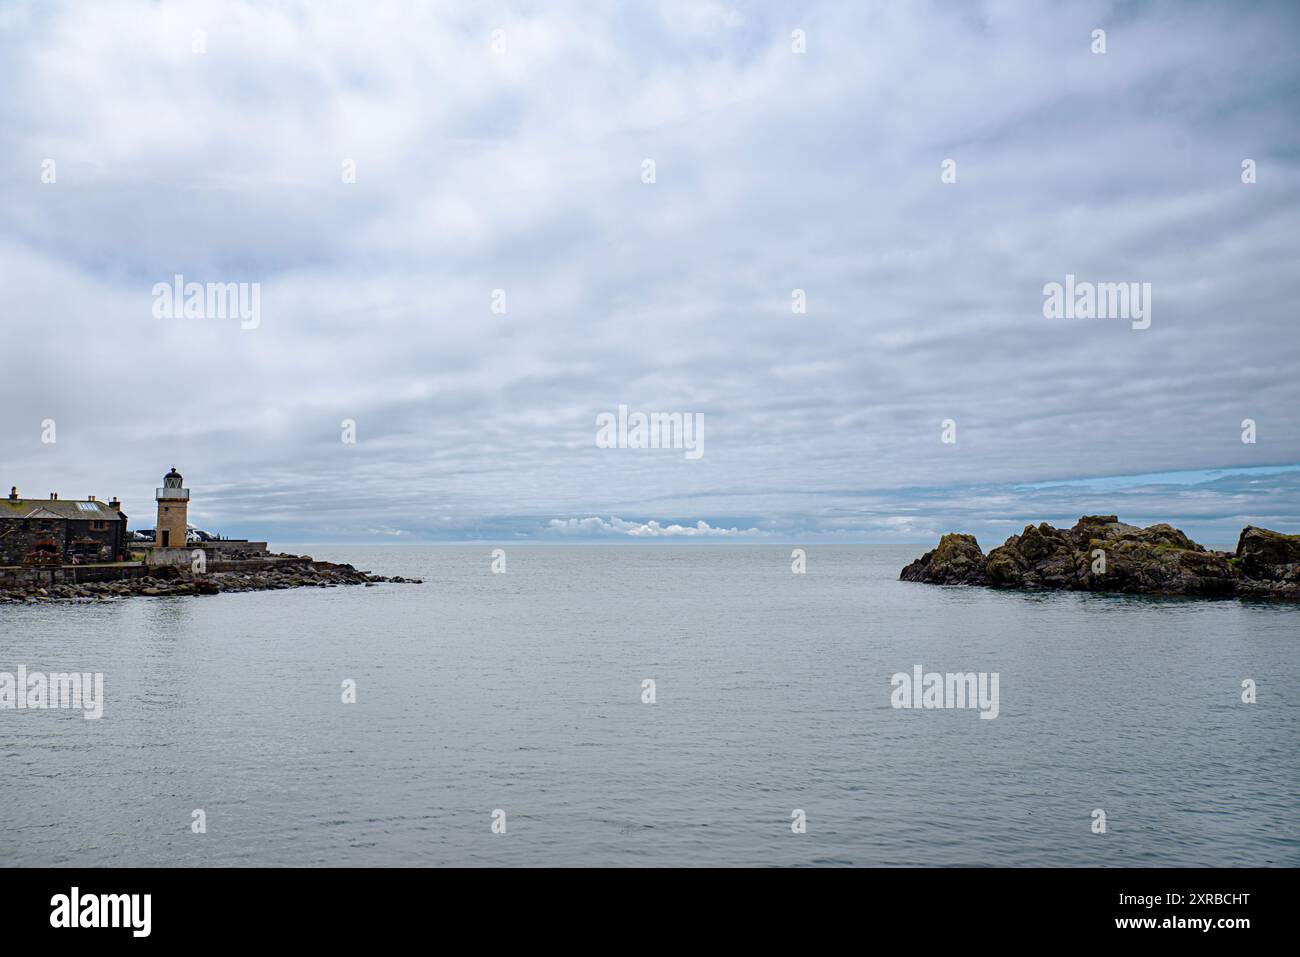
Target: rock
{"points": [[257, 574], [1269, 556], [957, 561], [1101, 553]]}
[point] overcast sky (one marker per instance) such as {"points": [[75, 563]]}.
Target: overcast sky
{"points": [[515, 161]]}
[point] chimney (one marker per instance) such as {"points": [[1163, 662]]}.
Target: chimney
{"points": [[115, 505], [90, 498], [54, 496], [13, 494]]}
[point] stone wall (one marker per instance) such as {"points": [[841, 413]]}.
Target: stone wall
{"points": [[212, 552], [169, 556], [70, 575], [76, 540], [232, 547]]}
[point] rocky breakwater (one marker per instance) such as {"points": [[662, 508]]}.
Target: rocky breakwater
{"points": [[263, 574], [1101, 553]]}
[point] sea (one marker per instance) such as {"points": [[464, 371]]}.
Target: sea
{"points": [[653, 705]]}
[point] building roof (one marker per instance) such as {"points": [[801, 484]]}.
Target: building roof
{"points": [[40, 508]]}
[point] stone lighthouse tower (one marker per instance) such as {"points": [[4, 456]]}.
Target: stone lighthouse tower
{"points": [[173, 511]]}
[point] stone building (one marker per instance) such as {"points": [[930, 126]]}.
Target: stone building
{"points": [[61, 531]]}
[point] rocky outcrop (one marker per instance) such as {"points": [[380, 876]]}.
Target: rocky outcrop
{"points": [[1101, 553], [1269, 562], [957, 561], [279, 572]]}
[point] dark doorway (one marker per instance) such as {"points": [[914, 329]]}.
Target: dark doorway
{"points": [[167, 538]]}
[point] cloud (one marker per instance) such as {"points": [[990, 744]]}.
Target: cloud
{"points": [[520, 170], [597, 527]]}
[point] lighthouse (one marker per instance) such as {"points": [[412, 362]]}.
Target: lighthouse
{"points": [[173, 511]]}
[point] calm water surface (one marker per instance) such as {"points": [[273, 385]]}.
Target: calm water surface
{"points": [[522, 692]]}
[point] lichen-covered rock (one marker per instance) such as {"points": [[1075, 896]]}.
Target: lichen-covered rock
{"points": [[1101, 553], [1268, 556], [1039, 557], [957, 561]]}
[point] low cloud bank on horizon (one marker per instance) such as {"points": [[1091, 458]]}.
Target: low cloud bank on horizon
{"points": [[513, 162]]}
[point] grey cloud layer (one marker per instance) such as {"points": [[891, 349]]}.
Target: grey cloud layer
{"points": [[521, 170]]}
